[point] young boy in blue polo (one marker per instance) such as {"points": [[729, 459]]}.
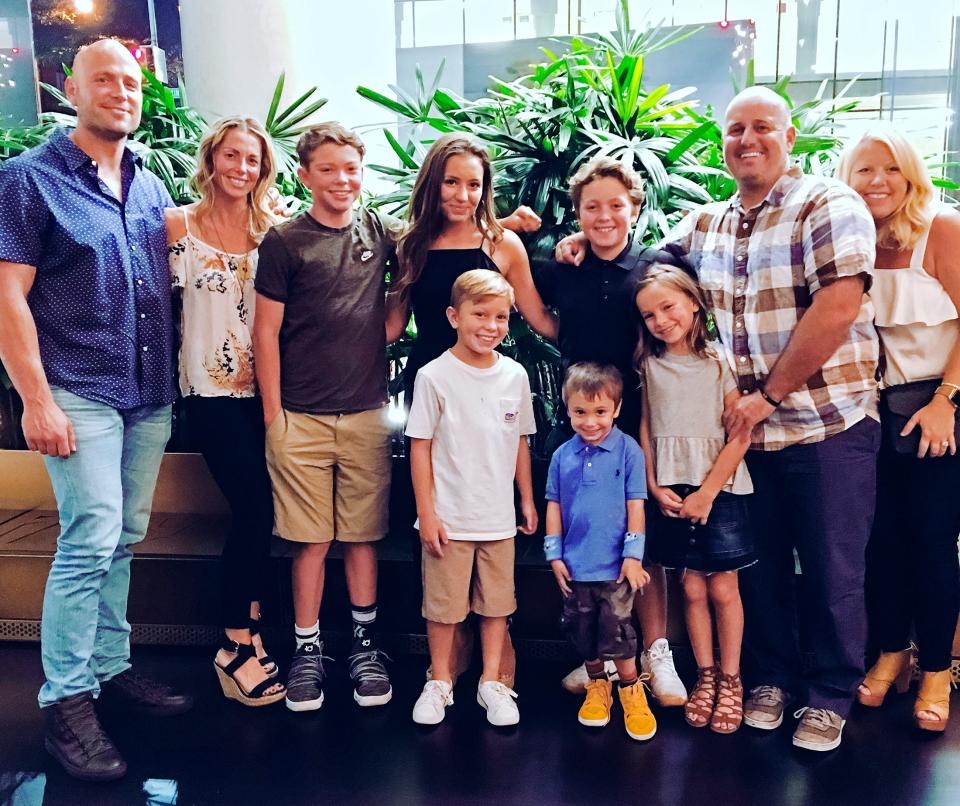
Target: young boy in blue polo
{"points": [[596, 486]]}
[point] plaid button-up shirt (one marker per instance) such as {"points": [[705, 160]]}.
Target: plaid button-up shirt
{"points": [[759, 270]]}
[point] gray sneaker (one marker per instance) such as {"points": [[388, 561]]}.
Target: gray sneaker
{"points": [[371, 684], [764, 707], [819, 729], [305, 680]]}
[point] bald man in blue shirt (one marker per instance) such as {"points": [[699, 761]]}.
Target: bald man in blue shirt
{"points": [[86, 337]]}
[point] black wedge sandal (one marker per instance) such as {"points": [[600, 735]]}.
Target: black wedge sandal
{"points": [[268, 662], [232, 689]]}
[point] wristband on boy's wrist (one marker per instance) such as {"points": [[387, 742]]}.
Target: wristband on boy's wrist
{"points": [[553, 547], [766, 396], [633, 545]]}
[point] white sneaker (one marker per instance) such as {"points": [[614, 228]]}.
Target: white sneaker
{"points": [[665, 683], [431, 705], [499, 702], [576, 681]]}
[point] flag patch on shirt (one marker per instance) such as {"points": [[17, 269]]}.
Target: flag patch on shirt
{"points": [[510, 416]]}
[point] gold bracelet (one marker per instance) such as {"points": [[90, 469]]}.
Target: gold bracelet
{"points": [[949, 395]]}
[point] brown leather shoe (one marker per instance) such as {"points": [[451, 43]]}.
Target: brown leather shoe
{"points": [[74, 737]]}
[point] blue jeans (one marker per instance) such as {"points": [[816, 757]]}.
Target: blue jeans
{"points": [[104, 492]]}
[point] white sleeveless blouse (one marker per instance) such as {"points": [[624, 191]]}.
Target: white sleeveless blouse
{"points": [[916, 319], [216, 340]]}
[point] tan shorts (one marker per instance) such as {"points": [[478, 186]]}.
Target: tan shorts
{"points": [[472, 575], [331, 475]]}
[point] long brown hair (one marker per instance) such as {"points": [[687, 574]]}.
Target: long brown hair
{"points": [[679, 280], [261, 216], [425, 216]]}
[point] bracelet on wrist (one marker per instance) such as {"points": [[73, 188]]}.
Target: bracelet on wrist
{"points": [[634, 544], [553, 547], [765, 396]]}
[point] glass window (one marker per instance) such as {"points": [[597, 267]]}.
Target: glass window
{"points": [[489, 21], [438, 22]]}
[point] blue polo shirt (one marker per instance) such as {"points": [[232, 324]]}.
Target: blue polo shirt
{"points": [[592, 484], [101, 296]]}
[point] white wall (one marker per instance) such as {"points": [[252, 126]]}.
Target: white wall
{"points": [[234, 51]]}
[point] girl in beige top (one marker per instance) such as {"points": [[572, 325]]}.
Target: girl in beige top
{"points": [[913, 576], [698, 483], [213, 259]]}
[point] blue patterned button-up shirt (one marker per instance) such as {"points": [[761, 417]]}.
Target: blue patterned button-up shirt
{"points": [[101, 296]]}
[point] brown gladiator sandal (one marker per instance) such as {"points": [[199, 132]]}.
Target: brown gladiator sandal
{"points": [[699, 707], [728, 713]]}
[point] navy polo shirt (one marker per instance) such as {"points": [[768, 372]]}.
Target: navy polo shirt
{"points": [[101, 296], [592, 484]]}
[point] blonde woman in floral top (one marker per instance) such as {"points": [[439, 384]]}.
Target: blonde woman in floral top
{"points": [[213, 259]]}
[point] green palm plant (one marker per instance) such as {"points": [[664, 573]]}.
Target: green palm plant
{"points": [[587, 100], [285, 127]]}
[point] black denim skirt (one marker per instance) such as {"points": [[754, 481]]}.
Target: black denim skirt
{"points": [[725, 543]]}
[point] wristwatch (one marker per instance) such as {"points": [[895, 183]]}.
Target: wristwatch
{"points": [[949, 391]]}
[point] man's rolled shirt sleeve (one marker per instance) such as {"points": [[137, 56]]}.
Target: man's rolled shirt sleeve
{"points": [[839, 240]]}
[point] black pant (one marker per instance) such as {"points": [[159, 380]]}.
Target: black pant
{"points": [[817, 498], [913, 576], [229, 433]]}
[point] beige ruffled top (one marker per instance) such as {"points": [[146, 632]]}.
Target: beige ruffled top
{"points": [[686, 405], [916, 319]]}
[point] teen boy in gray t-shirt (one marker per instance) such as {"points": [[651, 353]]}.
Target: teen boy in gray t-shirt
{"points": [[319, 339]]}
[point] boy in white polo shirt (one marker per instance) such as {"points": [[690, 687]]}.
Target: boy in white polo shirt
{"points": [[468, 425]]}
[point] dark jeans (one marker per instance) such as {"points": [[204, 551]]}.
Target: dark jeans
{"points": [[913, 576], [819, 499], [229, 433]]}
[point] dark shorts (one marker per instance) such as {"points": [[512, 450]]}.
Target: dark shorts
{"points": [[724, 544], [596, 619]]}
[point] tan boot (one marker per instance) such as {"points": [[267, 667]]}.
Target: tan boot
{"points": [[891, 668], [933, 698]]}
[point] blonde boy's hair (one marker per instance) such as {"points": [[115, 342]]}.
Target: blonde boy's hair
{"points": [[912, 218], [478, 283], [592, 380], [600, 167]]}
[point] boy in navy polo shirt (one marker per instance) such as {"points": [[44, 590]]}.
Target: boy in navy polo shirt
{"points": [[595, 491]]}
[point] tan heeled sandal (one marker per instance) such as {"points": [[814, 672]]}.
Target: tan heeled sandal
{"points": [[934, 698], [728, 711], [698, 709], [891, 669]]}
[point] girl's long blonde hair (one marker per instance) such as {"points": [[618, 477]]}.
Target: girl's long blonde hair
{"points": [[909, 221], [698, 338], [261, 217]]}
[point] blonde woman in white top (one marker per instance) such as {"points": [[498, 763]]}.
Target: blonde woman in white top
{"points": [[913, 576], [213, 259]]}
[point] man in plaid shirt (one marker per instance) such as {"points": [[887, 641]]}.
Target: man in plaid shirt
{"points": [[785, 265]]}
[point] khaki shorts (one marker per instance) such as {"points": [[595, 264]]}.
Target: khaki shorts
{"points": [[472, 575], [331, 475]]}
